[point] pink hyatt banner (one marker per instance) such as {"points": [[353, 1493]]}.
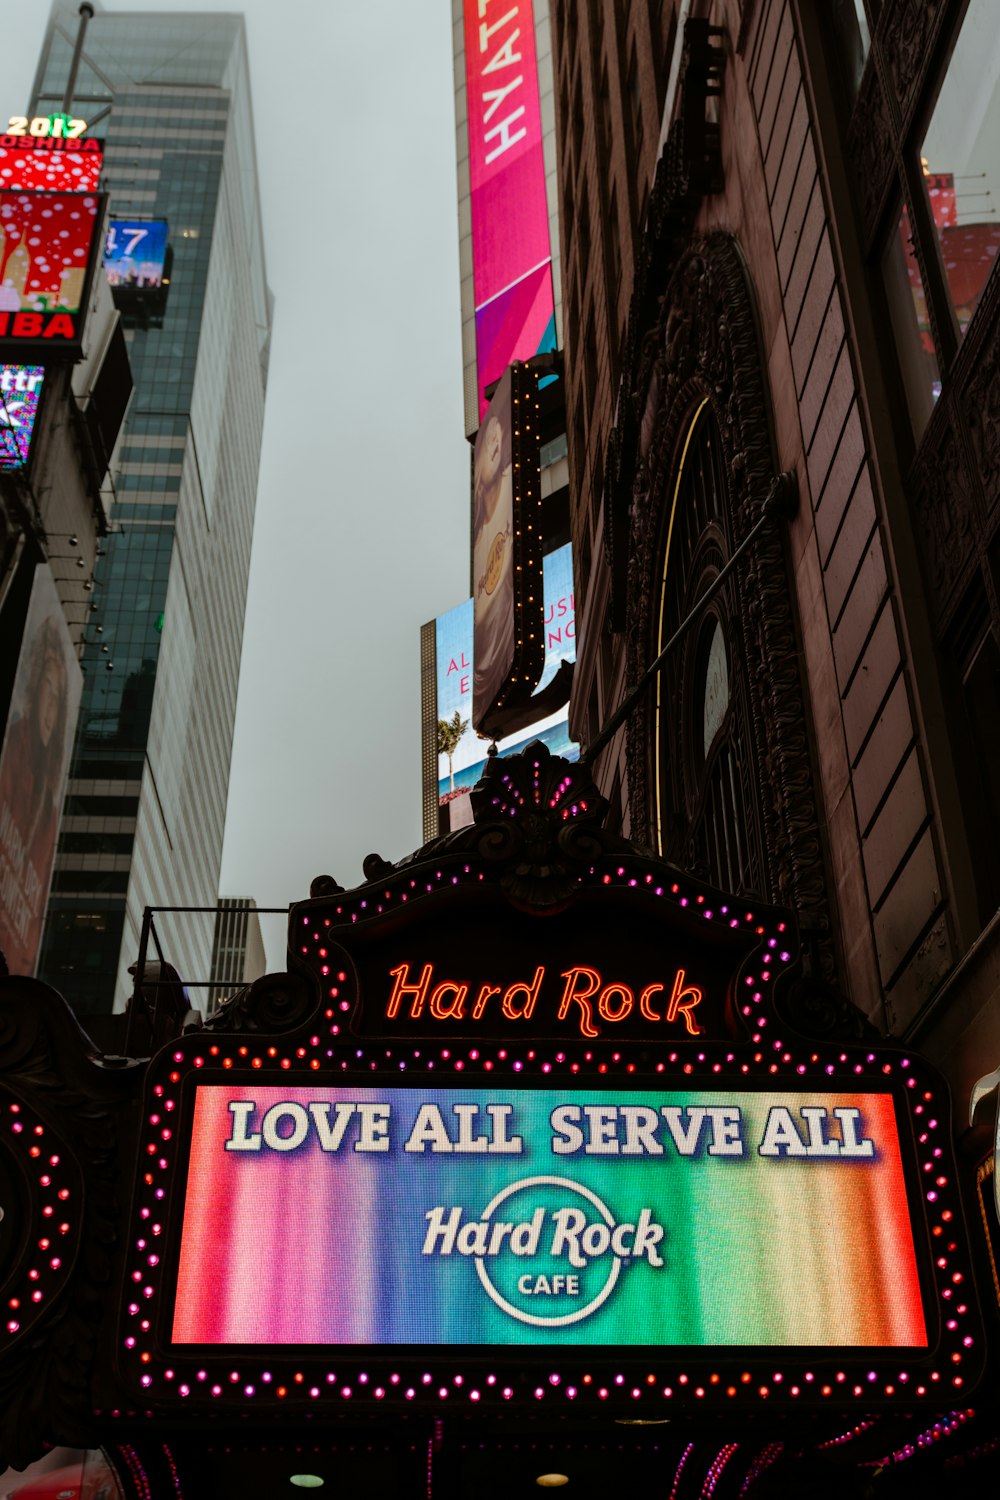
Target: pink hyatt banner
{"points": [[511, 255]]}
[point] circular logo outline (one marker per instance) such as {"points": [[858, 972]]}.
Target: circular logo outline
{"points": [[534, 1319]]}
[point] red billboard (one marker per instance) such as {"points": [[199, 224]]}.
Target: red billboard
{"points": [[50, 164], [46, 250]]}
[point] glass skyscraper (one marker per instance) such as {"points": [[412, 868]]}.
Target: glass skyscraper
{"points": [[146, 801]]}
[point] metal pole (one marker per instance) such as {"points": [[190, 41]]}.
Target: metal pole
{"points": [[86, 11], [140, 976], [782, 496]]}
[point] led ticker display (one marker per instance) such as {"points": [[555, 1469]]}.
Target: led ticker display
{"points": [[545, 1216], [135, 252], [45, 252], [51, 165], [511, 254], [20, 393]]}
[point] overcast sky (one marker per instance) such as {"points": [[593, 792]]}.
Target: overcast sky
{"points": [[362, 510]]}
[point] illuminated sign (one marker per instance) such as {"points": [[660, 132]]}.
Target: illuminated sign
{"points": [[46, 126], [461, 753], [50, 165], [490, 1216], [20, 393], [135, 252], [46, 241], [511, 254], [336, 1203], [506, 552]]}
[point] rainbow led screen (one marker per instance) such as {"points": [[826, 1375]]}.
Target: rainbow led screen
{"points": [[20, 393], [395, 1216], [511, 254]]}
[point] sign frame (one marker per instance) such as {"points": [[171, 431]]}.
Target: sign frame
{"points": [[296, 1029]]}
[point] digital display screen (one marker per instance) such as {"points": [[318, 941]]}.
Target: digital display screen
{"points": [[45, 246], [380, 1215], [20, 393], [461, 753], [50, 165], [511, 253], [135, 252]]}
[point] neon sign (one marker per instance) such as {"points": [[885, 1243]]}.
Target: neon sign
{"points": [[584, 996], [42, 127]]}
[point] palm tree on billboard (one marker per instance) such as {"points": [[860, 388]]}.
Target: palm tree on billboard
{"points": [[450, 733]]}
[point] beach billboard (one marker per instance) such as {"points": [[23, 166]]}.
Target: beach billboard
{"points": [[461, 752]]}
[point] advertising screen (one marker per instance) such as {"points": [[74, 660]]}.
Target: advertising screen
{"points": [[45, 247], [34, 764], [511, 254], [461, 753], [20, 393], [50, 165], [134, 253], [490, 1216]]}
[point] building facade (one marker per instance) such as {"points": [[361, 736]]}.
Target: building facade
{"points": [[778, 249], [61, 411], [147, 794], [238, 955]]}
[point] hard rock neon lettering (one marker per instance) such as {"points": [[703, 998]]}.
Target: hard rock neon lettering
{"points": [[585, 997]]}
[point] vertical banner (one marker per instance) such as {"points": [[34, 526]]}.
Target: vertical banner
{"points": [[493, 552], [511, 254], [507, 580], [34, 764]]}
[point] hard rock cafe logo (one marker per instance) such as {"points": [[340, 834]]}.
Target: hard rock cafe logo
{"points": [[547, 1238]]}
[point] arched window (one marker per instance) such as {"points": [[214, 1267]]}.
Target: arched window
{"points": [[704, 813]]}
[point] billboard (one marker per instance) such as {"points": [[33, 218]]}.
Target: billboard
{"points": [[20, 393], [511, 253], [498, 1216], [50, 165], [34, 764], [45, 253], [135, 252], [461, 753]]}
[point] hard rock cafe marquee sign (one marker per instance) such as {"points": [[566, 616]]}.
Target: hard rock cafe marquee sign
{"points": [[531, 1117]]}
